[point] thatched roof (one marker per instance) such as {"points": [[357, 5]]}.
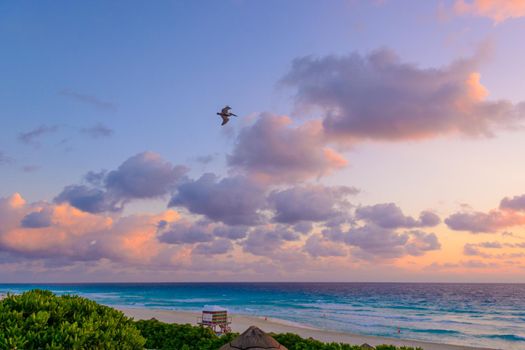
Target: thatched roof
{"points": [[253, 339]]}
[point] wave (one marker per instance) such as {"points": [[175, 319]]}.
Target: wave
{"points": [[507, 337], [436, 331]]}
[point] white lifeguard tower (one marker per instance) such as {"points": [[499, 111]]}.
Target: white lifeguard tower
{"points": [[216, 318]]}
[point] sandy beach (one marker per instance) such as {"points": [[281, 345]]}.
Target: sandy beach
{"points": [[242, 322]]}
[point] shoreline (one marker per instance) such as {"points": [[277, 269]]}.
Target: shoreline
{"points": [[242, 322]]}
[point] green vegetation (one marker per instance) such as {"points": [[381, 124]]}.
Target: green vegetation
{"points": [[295, 342], [162, 335], [40, 320]]}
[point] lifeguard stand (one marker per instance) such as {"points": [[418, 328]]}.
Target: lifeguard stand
{"points": [[216, 318]]}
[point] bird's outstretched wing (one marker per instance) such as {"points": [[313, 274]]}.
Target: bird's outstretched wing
{"points": [[225, 120], [226, 110]]}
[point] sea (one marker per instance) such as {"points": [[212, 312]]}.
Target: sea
{"points": [[484, 315]]}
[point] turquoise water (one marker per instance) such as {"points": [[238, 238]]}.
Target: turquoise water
{"points": [[489, 315]]}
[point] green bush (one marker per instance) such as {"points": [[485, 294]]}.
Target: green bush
{"points": [[173, 336], [294, 342], [165, 336], [40, 320]]}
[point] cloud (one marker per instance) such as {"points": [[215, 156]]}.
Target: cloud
{"points": [[510, 213], [491, 245], [469, 264], [380, 97], [273, 149], [515, 203], [216, 247], [479, 222], [38, 219], [91, 200], [31, 168], [390, 216], [32, 137], [268, 240], [49, 237], [303, 227], [497, 10], [232, 200], [206, 159], [317, 246], [309, 203], [371, 242], [421, 242], [503, 251], [145, 175], [5, 159], [98, 131], [62, 235], [89, 99], [185, 232], [231, 232]]}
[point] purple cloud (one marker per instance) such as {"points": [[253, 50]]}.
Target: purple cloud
{"points": [[309, 203], [232, 200], [380, 97], [303, 227], [30, 168], [275, 150], [4, 159], [91, 200], [316, 246], [145, 175], [372, 242], [390, 216], [38, 219], [231, 232], [216, 247], [421, 242], [478, 222], [186, 233], [32, 137], [98, 131], [514, 203], [89, 99], [266, 241]]}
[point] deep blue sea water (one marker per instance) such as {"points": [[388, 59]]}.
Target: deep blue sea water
{"points": [[488, 315]]}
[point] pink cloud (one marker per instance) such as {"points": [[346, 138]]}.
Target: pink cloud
{"points": [[497, 10], [74, 235], [380, 97], [275, 150], [510, 213]]}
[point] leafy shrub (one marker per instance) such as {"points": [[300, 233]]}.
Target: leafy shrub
{"points": [[162, 335], [173, 336], [295, 342], [40, 320]]}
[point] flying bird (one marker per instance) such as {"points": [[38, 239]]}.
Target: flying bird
{"points": [[226, 114]]}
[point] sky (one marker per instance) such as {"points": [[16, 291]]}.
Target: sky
{"points": [[376, 141]]}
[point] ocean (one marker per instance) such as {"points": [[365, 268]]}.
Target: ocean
{"points": [[487, 315]]}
